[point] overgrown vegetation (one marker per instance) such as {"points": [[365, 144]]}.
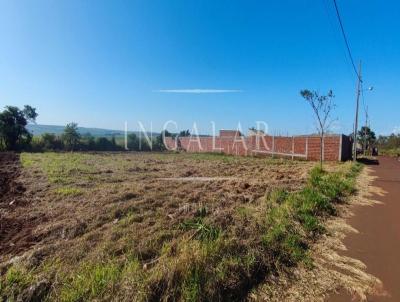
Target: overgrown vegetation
{"points": [[389, 145], [151, 249], [71, 140]]}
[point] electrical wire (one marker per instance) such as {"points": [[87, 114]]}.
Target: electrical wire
{"points": [[346, 40]]}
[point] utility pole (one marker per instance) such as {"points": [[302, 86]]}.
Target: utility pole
{"points": [[365, 131], [356, 118]]}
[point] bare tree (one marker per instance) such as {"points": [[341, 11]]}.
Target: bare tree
{"points": [[322, 106]]}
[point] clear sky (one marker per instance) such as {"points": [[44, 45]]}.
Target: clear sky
{"points": [[101, 63]]}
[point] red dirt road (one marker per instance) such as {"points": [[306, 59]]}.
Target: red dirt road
{"points": [[378, 243]]}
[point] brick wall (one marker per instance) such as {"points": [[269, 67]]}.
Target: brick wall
{"points": [[335, 147]]}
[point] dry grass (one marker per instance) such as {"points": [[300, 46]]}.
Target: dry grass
{"points": [[148, 227]]}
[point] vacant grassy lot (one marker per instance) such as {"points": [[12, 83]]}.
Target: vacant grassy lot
{"points": [[150, 227]]}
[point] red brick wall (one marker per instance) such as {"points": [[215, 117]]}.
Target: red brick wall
{"points": [[296, 147]]}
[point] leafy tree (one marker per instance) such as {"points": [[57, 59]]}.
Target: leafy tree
{"points": [[88, 142], [133, 142], [166, 133], [50, 141], [367, 137], [113, 142], [158, 144], [322, 106], [184, 133], [71, 136], [103, 144], [13, 132], [30, 113], [390, 142]]}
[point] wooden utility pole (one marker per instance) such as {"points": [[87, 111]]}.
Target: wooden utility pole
{"points": [[356, 117], [365, 131]]}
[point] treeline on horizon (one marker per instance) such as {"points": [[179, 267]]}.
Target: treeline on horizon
{"points": [[87, 142], [14, 136]]}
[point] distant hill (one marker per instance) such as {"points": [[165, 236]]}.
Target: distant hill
{"points": [[40, 129]]}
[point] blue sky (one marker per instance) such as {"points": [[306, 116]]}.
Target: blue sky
{"points": [[101, 63]]}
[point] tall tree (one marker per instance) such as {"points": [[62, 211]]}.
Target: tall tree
{"points": [[367, 137], [71, 136], [322, 106], [13, 121]]}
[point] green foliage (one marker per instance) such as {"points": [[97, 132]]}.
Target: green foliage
{"points": [[62, 168], [203, 231], [367, 137], [142, 143], [14, 281], [278, 196], [47, 142], [191, 287], [72, 140], [13, 132], [184, 133], [296, 217], [389, 145], [104, 144], [93, 280], [68, 191], [71, 136]]}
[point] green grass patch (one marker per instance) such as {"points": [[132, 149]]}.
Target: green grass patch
{"points": [[203, 231], [62, 168], [93, 280], [14, 282], [68, 191]]}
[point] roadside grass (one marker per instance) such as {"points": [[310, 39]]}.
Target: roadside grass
{"points": [[208, 256], [394, 152]]}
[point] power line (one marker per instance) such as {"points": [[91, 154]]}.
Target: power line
{"points": [[345, 39], [331, 16]]}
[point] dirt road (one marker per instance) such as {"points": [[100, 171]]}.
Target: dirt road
{"points": [[378, 243]]}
